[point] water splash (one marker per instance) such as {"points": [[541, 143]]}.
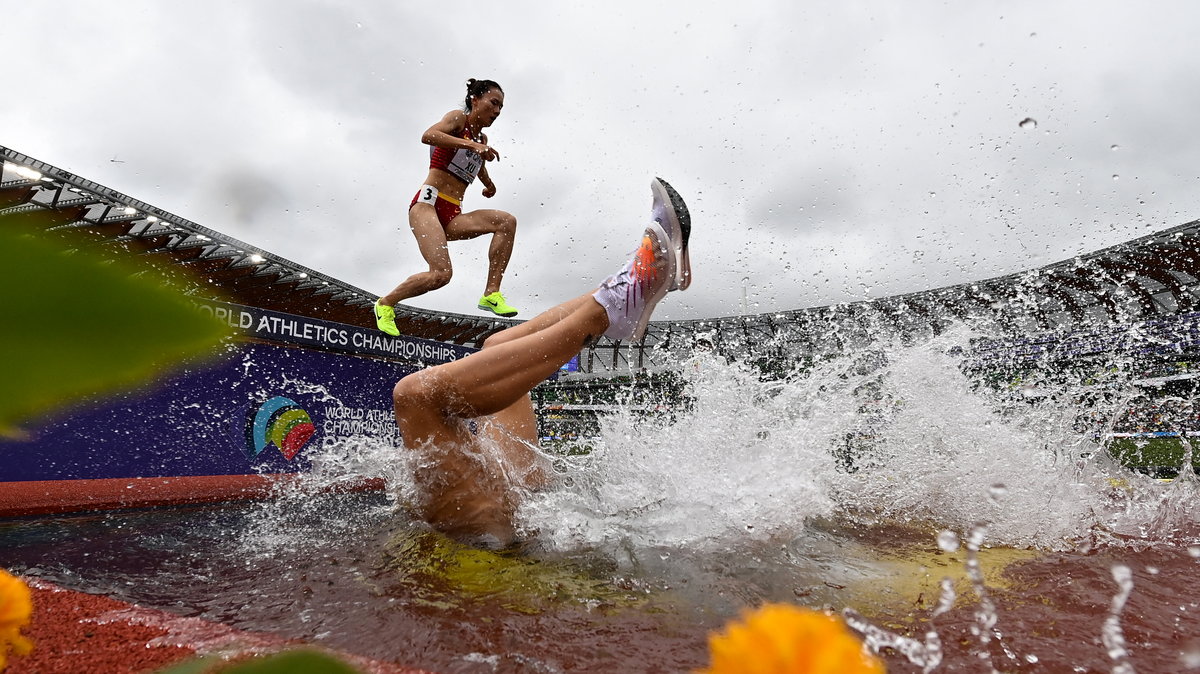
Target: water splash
{"points": [[1112, 635], [927, 654], [892, 435], [299, 516], [749, 461], [984, 628]]}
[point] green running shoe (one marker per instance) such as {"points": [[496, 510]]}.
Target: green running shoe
{"points": [[385, 319], [496, 304]]}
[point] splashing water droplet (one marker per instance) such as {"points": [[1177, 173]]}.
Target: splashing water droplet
{"points": [[948, 541], [1112, 635], [975, 536], [997, 492], [1028, 123], [1190, 657]]}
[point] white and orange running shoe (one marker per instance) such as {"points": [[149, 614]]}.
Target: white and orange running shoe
{"points": [[670, 212], [660, 265]]}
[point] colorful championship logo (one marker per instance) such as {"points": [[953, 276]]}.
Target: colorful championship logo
{"points": [[280, 422]]}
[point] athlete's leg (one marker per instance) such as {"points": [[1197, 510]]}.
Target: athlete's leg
{"points": [[431, 241], [471, 485], [514, 429], [538, 323], [430, 402], [503, 228]]}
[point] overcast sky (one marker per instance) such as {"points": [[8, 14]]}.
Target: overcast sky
{"points": [[829, 151]]}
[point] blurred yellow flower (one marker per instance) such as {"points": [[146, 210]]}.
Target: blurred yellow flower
{"points": [[16, 608], [784, 639]]}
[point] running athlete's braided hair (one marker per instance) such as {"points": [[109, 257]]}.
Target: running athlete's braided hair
{"points": [[477, 88]]}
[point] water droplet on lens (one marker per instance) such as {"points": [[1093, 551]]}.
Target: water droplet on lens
{"points": [[1190, 657], [997, 492], [1122, 574], [1028, 123], [948, 541], [1114, 147], [1194, 551], [1116, 177]]}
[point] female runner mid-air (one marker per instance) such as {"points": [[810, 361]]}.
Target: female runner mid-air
{"points": [[470, 423], [457, 155]]}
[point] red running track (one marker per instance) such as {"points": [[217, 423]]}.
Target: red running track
{"points": [[76, 632]]}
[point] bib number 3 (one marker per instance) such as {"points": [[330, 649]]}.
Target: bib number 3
{"points": [[427, 195]]}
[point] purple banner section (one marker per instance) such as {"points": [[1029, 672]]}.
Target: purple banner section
{"points": [[260, 408], [339, 337]]}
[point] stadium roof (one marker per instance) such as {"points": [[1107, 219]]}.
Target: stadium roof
{"points": [[1150, 277]]}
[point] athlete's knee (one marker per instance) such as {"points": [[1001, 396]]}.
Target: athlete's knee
{"points": [[439, 277], [405, 393], [503, 223], [495, 339], [508, 224]]}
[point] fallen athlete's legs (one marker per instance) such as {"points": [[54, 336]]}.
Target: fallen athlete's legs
{"points": [[497, 376], [471, 482], [513, 430]]}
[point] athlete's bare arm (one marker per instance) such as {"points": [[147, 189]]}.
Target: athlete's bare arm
{"points": [[489, 187], [447, 133]]}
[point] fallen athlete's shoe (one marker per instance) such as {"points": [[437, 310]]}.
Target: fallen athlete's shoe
{"points": [[670, 212], [496, 304], [629, 296], [385, 319]]}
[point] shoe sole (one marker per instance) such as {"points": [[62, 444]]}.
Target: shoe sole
{"points": [[508, 315], [656, 294], [677, 223]]}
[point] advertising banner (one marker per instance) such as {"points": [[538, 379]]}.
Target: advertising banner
{"points": [[259, 408]]}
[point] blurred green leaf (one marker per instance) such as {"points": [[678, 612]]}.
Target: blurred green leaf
{"points": [[196, 666], [76, 325], [299, 661], [293, 662]]}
